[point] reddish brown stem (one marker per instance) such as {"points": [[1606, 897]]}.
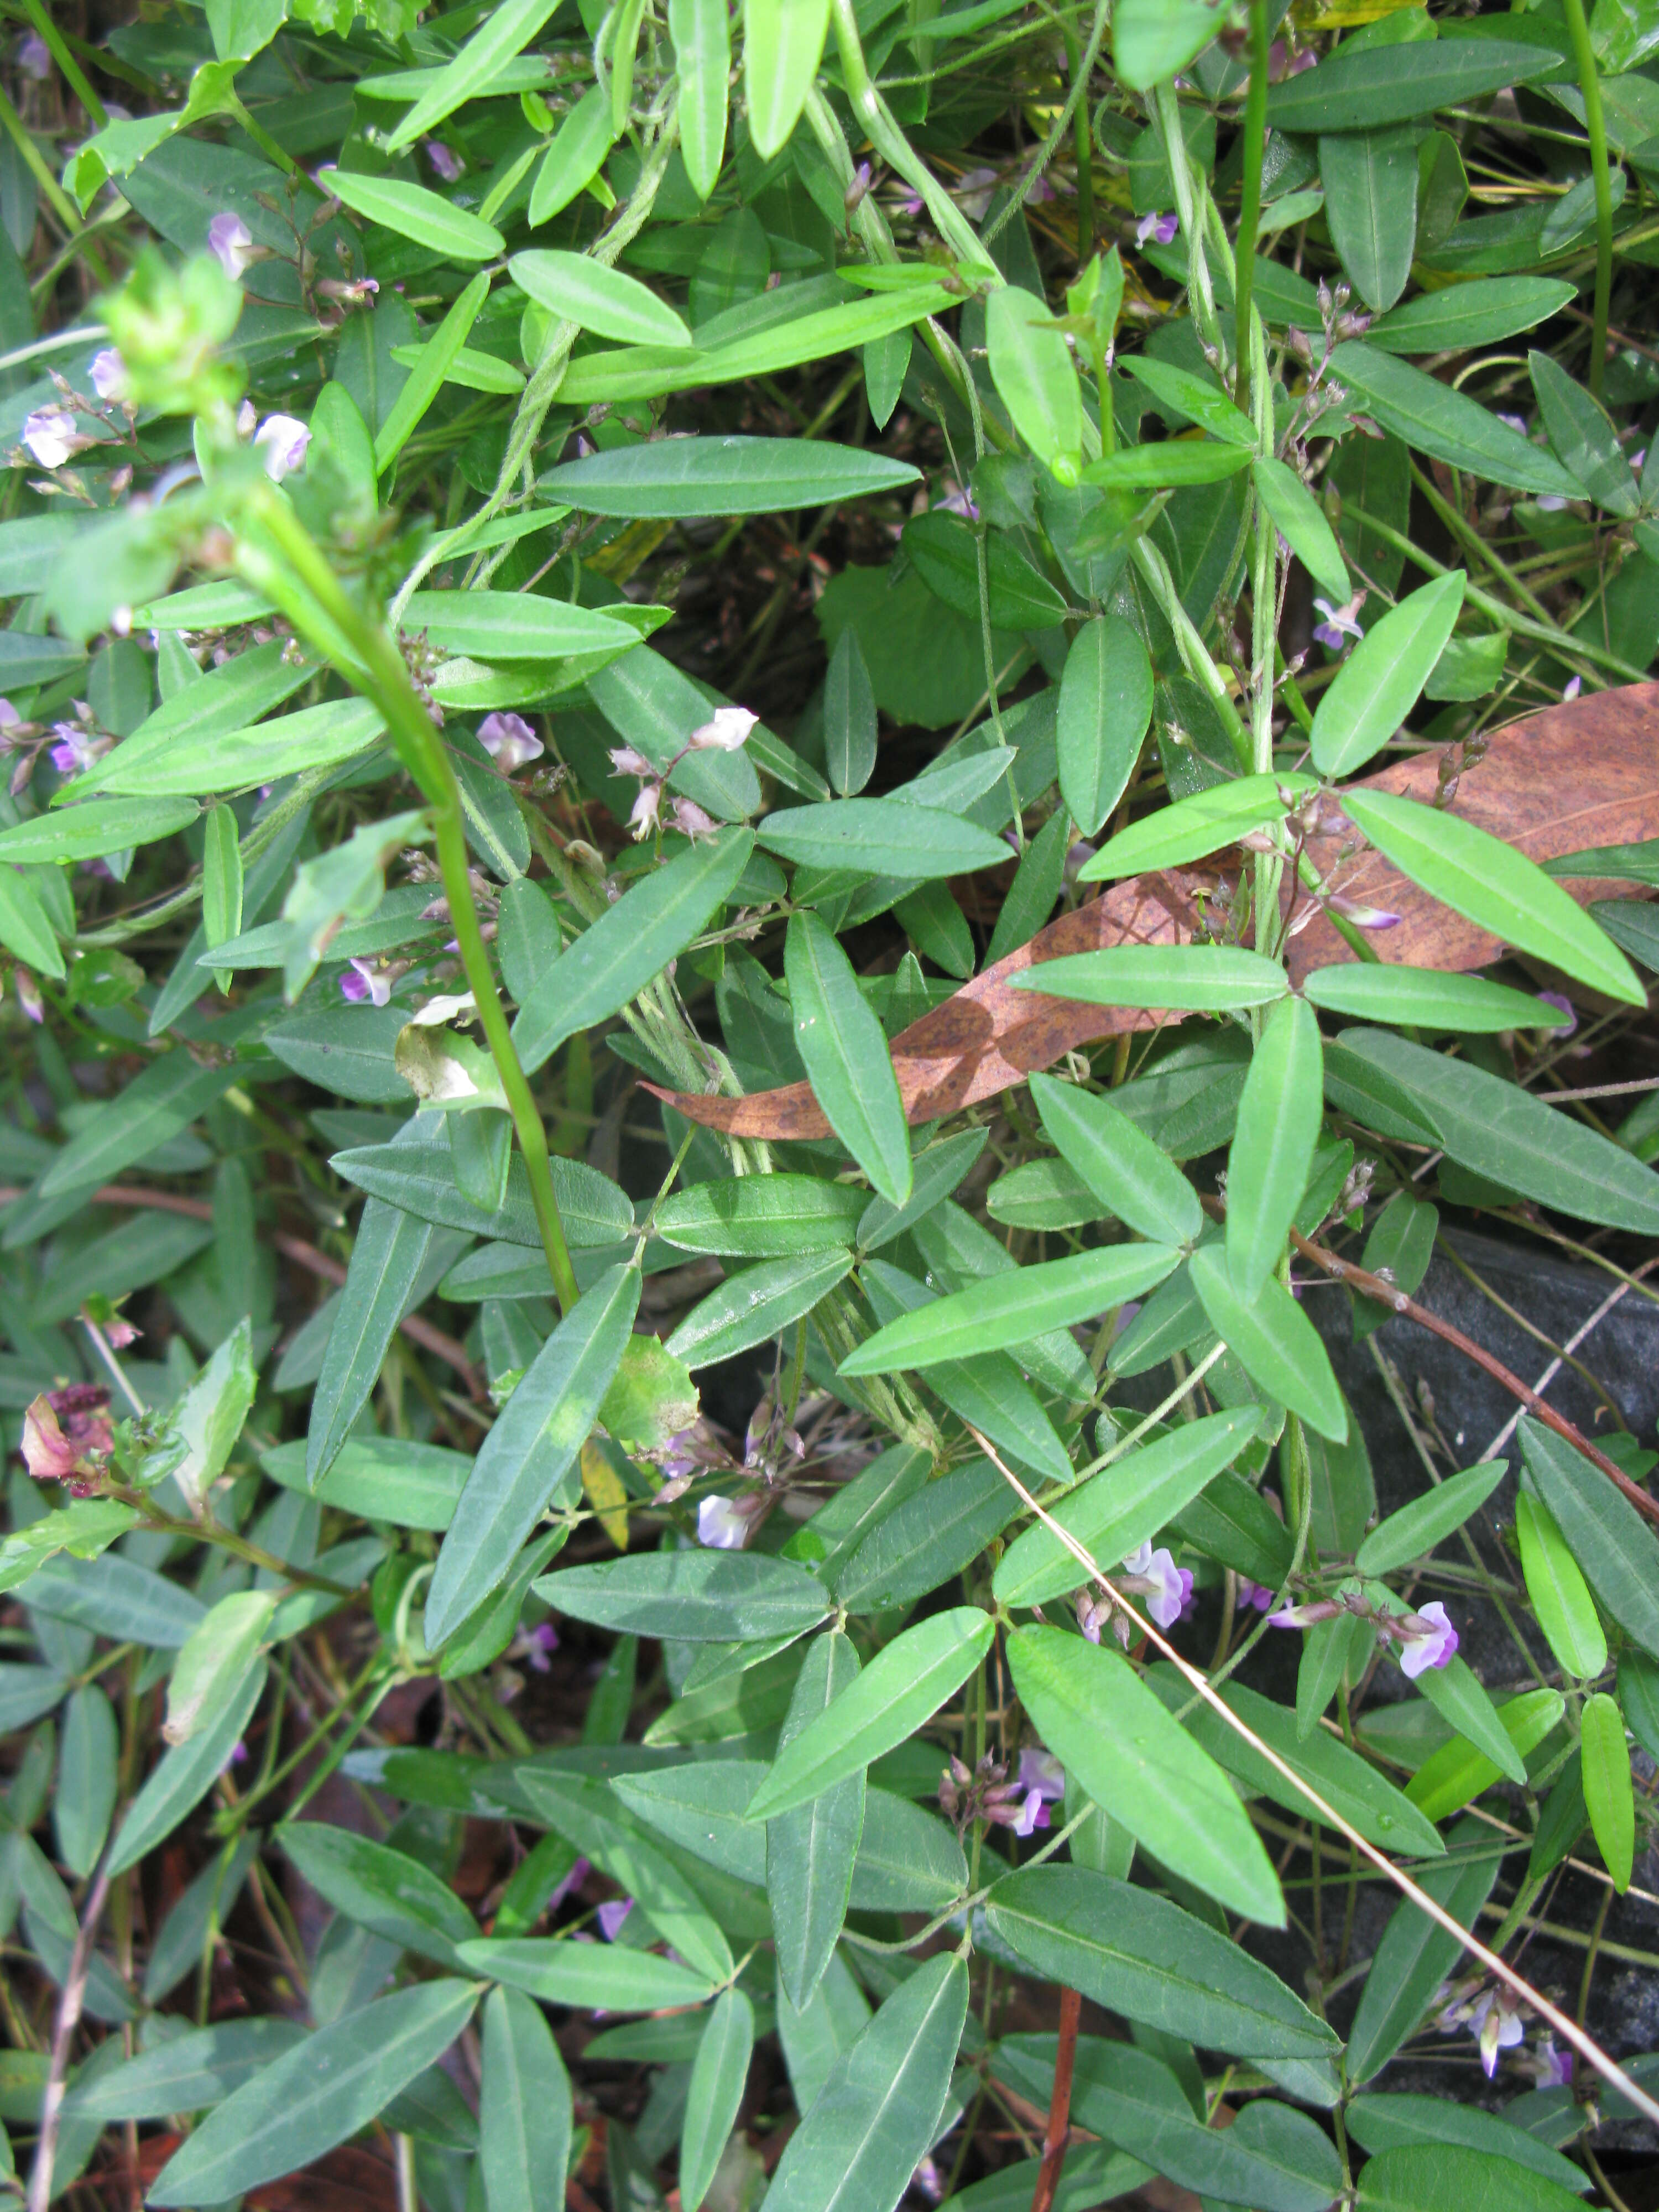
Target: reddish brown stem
{"points": [[1391, 1296], [1060, 2105]]}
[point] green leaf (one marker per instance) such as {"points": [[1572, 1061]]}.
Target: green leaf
{"points": [[649, 701], [1560, 1598], [1478, 875], [374, 1478], [423, 217], [945, 553], [782, 44], [575, 157], [1423, 998], [1499, 1130], [1584, 440], [1154, 39], [696, 1596], [215, 1659], [671, 478], [505, 32], [762, 1217], [1457, 1773], [316, 2095], [87, 1776], [1136, 1954], [1413, 1532], [186, 2073], [25, 926], [810, 1852], [419, 1175], [614, 959], [849, 718], [1123, 1506], [1197, 825], [1105, 710], [935, 1174], [1416, 1954], [1440, 420], [1447, 2178], [528, 1458], [1280, 1346], [1170, 464], [844, 1051], [431, 367], [1108, 1729], [98, 827], [118, 1598], [1476, 313], [703, 62], [879, 2107], [160, 1102], [1006, 1309], [1194, 978], [1501, 1737], [1398, 2121], [515, 625], [1279, 1117], [1301, 522], [584, 291], [754, 1305], [613, 1978], [1607, 1793], [880, 837], [1129, 1173], [1370, 204], [525, 2113], [896, 1693], [1031, 367], [388, 1259], [1196, 397], [719, 2074], [1372, 86], [380, 1888], [1378, 684], [932, 1536], [1610, 1542]]}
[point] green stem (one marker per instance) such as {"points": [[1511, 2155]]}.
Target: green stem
{"points": [[1166, 111], [1083, 138], [1250, 212], [1194, 653], [214, 1532], [381, 674], [261, 137], [1589, 84], [1077, 106]]}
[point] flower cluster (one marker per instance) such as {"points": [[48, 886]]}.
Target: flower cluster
{"points": [[726, 731], [68, 1438], [967, 1795], [1426, 1639]]}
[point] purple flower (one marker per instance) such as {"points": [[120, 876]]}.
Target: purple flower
{"points": [[1254, 1594], [625, 760], [577, 1876], [52, 435], [1430, 1641], [282, 442], [449, 165], [1496, 2028], [539, 1646], [1551, 2068], [1161, 226], [366, 979], [34, 57], [510, 741], [957, 501], [612, 1915], [1042, 1778], [77, 748], [1304, 1616], [109, 375], [231, 243], [912, 203], [1563, 1006], [1516, 423], [1573, 687], [1338, 624], [1093, 1615], [722, 1524], [1168, 1586]]}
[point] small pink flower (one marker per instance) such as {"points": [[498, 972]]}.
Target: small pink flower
{"points": [[725, 732], [48, 1452], [109, 375], [643, 819], [121, 1333], [611, 1915], [723, 1522], [625, 761], [1169, 1586], [449, 165], [1430, 1641], [53, 435], [231, 243], [1163, 227], [282, 442], [510, 741]]}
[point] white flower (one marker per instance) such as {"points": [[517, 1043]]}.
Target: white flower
{"points": [[643, 820], [724, 733], [109, 375], [510, 741], [246, 420], [51, 435], [722, 1524], [282, 442], [690, 818], [231, 243], [626, 761]]}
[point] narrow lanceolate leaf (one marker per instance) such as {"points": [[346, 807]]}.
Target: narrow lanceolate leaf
{"points": [[1608, 1794], [1170, 462], [1105, 710], [1396, 84], [1493, 884], [1008, 1309], [1031, 367], [316, 2095], [1370, 204], [1444, 422], [878, 2110], [901, 1689], [412, 212], [182, 1777], [1279, 1117], [437, 357], [524, 2104], [694, 1597], [1453, 2178], [849, 718], [718, 2073], [1616, 1549], [762, 1217], [1108, 1729], [381, 1888], [163, 1099], [1582, 436], [1196, 826], [1301, 522], [1278, 1345], [782, 44], [1196, 398], [530, 1453], [506, 30], [810, 1853], [845, 1054], [1380, 682], [703, 62], [673, 477], [1132, 1176], [1210, 979], [214, 1659], [387, 1260], [1141, 1955], [584, 291], [881, 837], [25, 926], [1154, 39], [88, 1773], [1422, 998], [98, 827], [1415, 1529], [588, 1975], [611, 962], [1415, 1954], [1565, 1610], [756, 1305], [1117, 1509]]}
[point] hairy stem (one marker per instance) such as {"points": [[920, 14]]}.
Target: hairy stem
{"points": [[1589, 84], [1249, 211]]}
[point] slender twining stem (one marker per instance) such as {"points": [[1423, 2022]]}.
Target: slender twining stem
{"points": [[1081, 68], [894, 148], [62, 2039], [1249, 210], [1060, 2104], [1589, 84], [381, 674]]}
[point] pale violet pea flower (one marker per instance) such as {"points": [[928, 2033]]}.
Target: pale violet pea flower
{"points": [[28, 994], [958, 501], [1340, 623], [1550, 502], [231, 243], [77, 748], [109, 375], [1551, 2068], [1496, 2028], [366, 980], [722, 1524], [726, 731], [1042, 1778], [611, 1915], [1434, 1643], [282, 442], [34, 57], [510, 741], [51, 435], [1160, 225], [1573, 687], [1516, 423], [1171, 1586], [1253, 1594], [449, 165], [1562, 1005]]}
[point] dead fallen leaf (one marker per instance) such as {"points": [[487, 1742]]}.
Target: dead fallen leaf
{"points": [[1583, 774]]}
